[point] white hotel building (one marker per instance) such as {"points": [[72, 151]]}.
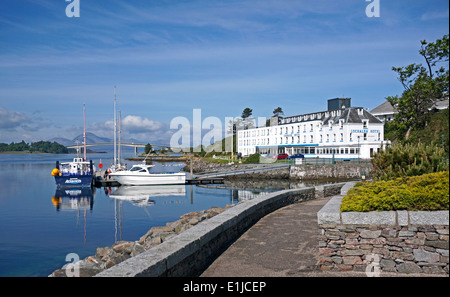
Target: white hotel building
{"points": [[341, 132]]}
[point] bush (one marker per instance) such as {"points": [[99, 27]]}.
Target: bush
{"points": [[252, 159], [408, 160], [424, 192]]}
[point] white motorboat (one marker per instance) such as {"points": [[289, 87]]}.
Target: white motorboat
{"points": [[140, 175], [142, 195]]}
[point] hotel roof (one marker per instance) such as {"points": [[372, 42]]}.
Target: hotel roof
{"points": [[349, 115]]}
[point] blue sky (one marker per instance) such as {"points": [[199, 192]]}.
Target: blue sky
{"points": [[168, 57]]}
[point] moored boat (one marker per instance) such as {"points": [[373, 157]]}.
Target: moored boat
{"points": [[140, 175], [78, 173]]}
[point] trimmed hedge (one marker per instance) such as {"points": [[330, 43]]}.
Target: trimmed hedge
{"points": [[423, 192]]}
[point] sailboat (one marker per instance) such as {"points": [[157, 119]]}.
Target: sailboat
{"points": [[79, 172]]}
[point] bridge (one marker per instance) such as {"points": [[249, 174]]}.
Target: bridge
{"points": [[135, 145]]}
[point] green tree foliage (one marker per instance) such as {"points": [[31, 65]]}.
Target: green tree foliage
{"points": [[278, 111], [423, 86], [148, 148], [401, 160], [40, 146], [246, 113]]}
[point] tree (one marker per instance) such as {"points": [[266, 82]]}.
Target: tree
{"points": [[246, 113], [424, 86], [278, 111], [148, 148]]}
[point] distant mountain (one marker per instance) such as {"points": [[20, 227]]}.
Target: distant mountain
{"points": [[90, 138], [61, 140]]}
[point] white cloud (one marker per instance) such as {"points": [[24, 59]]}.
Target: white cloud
{"points": [[434, 15], [136, 124], [10, 119]]}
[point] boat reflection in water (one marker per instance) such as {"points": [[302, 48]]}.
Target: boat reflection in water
{"points": [[81, 198], [141, 195]]}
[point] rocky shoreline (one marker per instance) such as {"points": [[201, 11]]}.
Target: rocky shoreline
{"points": [[106, 257]]}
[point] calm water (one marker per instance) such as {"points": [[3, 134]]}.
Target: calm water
{"points": [[40, 226]]}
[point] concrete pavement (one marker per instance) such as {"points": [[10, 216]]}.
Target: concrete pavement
{"points": [[283, 243]]}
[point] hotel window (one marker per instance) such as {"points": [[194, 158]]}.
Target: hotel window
{"points": [[311, 127], [330, 125], [304, 138], [321, 137], [341, 124], [298, 139], [365, 123], [365, 136], [351, 137], [334, 137], [298, 128], [342, 136], [328, 137], [312, 139], [320, 126]]}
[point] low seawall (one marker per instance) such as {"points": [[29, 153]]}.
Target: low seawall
{"points": [[340, 171], [330, 171], [386, 241], [190, 252]]}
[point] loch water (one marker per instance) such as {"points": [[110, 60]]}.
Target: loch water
{"points": [[40, 226]]}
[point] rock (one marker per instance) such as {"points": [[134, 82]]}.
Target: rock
{"points": [[437, 244], [406, 234], [137, 249], [384, 263], [370, 234], [424, 256], [102, 252], [123, 247], [352, 260], [408, 267]]}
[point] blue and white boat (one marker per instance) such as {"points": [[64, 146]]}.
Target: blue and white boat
{"points": [[78, 173]]}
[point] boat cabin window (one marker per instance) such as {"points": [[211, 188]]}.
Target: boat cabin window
{"points": [[136, 169]]}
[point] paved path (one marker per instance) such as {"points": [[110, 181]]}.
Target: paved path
{"points": [[283, 243]]}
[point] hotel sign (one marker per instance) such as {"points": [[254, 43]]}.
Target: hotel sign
{"points": [[364, 131]]}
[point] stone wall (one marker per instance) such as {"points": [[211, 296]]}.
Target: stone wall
{"points": [[336, 171], [388, 241], [311, 172], [190, 252]]}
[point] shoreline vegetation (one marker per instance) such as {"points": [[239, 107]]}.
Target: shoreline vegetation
{"points": [[40, 147]]}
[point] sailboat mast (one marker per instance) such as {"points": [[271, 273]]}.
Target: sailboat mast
{"points": [[120, 138], [84, 131], [115, 129]]}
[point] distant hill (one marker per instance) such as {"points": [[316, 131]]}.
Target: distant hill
{"points": [[90, 138]]}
